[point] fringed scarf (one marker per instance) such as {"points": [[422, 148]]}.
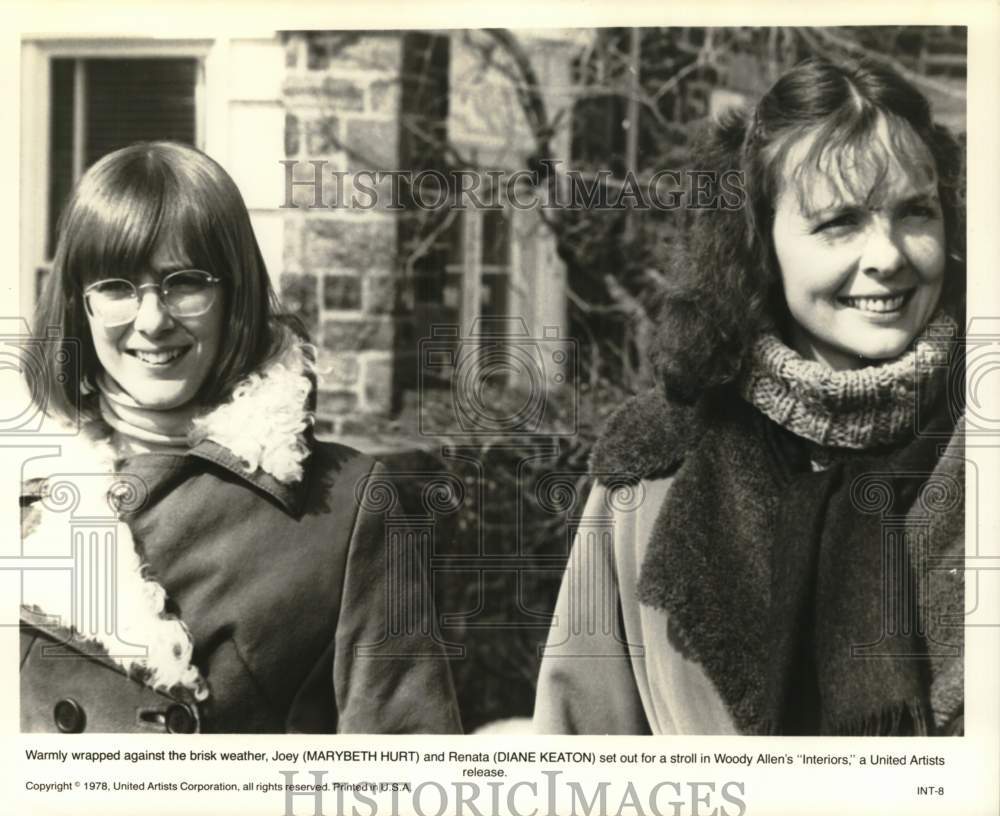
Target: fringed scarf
{"points": [[264, 423], [808, 552]]}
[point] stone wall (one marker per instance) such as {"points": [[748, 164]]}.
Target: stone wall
{"points": [[385, 101], [342, 99], [359, 100]]}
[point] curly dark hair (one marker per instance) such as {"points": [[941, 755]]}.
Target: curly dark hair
{"points": [[725, 283]]}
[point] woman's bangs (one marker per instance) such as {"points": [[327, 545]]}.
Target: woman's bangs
{"points": [[117, 238], [188, 228], [853, 157], [112, 237]]}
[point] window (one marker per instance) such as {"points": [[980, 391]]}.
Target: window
{"points": [[101, 104], [84, 97], [494, 270]]}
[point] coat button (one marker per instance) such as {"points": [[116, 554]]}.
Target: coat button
{"points": [[69, 716], [179, 720]]}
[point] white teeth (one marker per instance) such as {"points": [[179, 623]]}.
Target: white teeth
{"points": [[877, 304], [158, 357]]}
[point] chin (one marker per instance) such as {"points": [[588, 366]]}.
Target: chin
{"points": [[884, 349]]}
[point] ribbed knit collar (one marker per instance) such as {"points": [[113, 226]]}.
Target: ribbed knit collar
{"points": [[856, 409], [162, 429]]}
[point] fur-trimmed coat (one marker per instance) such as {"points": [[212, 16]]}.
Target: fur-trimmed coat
{"points": [[614, 662], [259, 557]]}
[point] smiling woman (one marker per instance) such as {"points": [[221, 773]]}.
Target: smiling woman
{"points": [[235, 576], [162, 343], [860, 247], [788, 485]]}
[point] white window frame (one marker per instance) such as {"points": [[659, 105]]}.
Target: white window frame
{"points": [[37, 54], [472, 267]]}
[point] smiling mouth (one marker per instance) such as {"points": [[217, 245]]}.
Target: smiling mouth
{"points": [[157, 358], [881, 304]]}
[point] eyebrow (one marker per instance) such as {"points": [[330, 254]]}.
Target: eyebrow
{"points": [[929, 196], [832, 209], [166, 269], [919, 198]]}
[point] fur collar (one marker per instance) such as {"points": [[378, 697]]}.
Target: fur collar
{"points": [[699, 542], [646, 437], [260, 432]]}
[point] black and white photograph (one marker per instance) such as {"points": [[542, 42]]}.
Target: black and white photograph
{"points": [[450, 418]]}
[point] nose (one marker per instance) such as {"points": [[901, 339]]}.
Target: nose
{"points": [[882, 254], [152, 317]]}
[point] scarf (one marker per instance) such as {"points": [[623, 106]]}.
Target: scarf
{"points": [[857, 409], [815, 599], [264, 422]]}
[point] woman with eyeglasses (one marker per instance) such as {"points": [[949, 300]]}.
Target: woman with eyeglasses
{"points": [[230, 572]]}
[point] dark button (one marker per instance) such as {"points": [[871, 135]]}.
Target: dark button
{"points": [[180, 720], [69, 716]]}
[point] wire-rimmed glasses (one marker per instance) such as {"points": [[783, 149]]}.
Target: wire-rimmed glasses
{"points": [[184, 293]]}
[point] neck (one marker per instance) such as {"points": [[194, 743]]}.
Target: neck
{"points": [[139, 429], [832, 358]]}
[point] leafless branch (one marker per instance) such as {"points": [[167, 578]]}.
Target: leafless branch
{"points": [[813, 35]]}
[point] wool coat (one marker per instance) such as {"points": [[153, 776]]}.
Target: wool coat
{"points": [[302, 616], [614, 662]]}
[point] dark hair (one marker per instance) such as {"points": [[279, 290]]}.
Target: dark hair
{"points": [[725, 285], [121, 209]]}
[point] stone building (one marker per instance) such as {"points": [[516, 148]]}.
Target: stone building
{"points": [[303, 121], [361, 274]]}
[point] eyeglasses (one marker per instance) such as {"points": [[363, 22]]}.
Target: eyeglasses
{"points": [[185, 293]]}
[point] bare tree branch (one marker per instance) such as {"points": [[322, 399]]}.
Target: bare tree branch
{"points": [[810, 35]]}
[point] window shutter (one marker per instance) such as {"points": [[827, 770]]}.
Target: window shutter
{"points": [[133, 100]]}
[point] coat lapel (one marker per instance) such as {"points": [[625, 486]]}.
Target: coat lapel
{"points": [[261, 435]]}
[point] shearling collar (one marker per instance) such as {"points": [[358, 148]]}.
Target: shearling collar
{"points": [[289, 494], [265, 422], [699, 541], [260, 434], [646, 437]]}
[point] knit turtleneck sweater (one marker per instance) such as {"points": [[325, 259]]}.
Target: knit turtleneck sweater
{"points": [[857, 409], [138, 429]]}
